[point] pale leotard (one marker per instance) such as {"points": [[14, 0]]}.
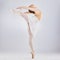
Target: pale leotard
{"points": [[34, 24]]}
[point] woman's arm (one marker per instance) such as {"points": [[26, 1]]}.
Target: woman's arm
{"points": [[25, 7], [22, 7]]}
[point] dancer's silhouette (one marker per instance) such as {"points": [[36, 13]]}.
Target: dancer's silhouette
{"points": [[32, 17]]}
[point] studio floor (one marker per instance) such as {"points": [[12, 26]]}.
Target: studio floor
{"points": [[11, 56]]}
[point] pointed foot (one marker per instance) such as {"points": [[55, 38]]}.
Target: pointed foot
{"points": [[33, 55]]}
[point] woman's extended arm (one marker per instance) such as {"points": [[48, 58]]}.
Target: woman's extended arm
{"points": [[25, 7], [22, 7]]}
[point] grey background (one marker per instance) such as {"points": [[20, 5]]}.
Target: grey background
{"points": [[13, 29]]}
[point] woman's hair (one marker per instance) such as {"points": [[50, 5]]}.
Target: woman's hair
{"points": [[31, 11]]}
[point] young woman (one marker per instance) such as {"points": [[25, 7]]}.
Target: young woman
{"points": [[32, 16]]}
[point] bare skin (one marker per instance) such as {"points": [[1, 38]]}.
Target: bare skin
{"points": [[32, 7], [38, 14]]}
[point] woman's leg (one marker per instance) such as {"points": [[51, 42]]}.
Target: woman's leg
{"points": [[29, 30], [30, 34], [30, 40]]}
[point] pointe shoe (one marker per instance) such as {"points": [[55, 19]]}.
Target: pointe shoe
{"points": [[33, 55]]}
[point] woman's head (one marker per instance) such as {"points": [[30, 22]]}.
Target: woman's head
{"points": [[35, 11]]}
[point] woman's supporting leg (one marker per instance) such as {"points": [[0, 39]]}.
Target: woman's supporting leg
{"points": [[30, 34], [29, 30], [30, 40]]}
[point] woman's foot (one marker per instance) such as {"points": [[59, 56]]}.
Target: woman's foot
{"points": [[33, 54]]}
